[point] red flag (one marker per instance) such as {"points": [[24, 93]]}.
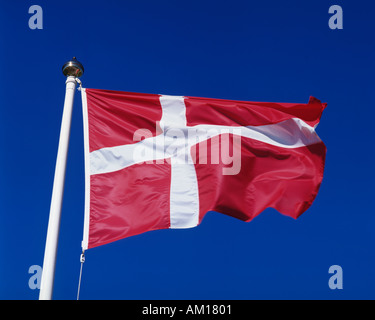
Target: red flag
{"points": [[156, 161]]}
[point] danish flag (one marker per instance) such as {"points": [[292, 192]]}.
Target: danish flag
{"points": [[158, 161]]}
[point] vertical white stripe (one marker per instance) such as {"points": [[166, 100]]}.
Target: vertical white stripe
{"points": [[174, 112], [184, 196], [86, 223]]}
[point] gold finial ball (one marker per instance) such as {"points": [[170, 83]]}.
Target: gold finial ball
{"points": [[73, 68]]}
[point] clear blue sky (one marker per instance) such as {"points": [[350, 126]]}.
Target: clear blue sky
{"points": [[280, 51]]}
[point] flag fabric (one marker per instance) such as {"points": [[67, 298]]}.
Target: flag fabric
{"points": [[157, 161]]}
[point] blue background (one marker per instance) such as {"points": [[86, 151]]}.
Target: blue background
{"points": [[277, 51]]}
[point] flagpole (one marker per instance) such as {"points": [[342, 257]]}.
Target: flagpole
{"points": [[72, 70]]}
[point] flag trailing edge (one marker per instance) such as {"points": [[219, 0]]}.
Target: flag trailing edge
{"points": [[157, 161]]}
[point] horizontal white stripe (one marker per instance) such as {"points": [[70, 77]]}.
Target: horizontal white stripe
{"points": [[292, 133]]}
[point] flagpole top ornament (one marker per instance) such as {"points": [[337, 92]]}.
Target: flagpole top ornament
{"points": [[73, 68]]}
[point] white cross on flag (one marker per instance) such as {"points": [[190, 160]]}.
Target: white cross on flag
{"points": [[156, 161]]}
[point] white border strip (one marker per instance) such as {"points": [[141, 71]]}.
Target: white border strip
{"points": [[289, 134], [86, 222]]}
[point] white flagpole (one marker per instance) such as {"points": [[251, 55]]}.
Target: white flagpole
{"points": [[72, 70]]}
